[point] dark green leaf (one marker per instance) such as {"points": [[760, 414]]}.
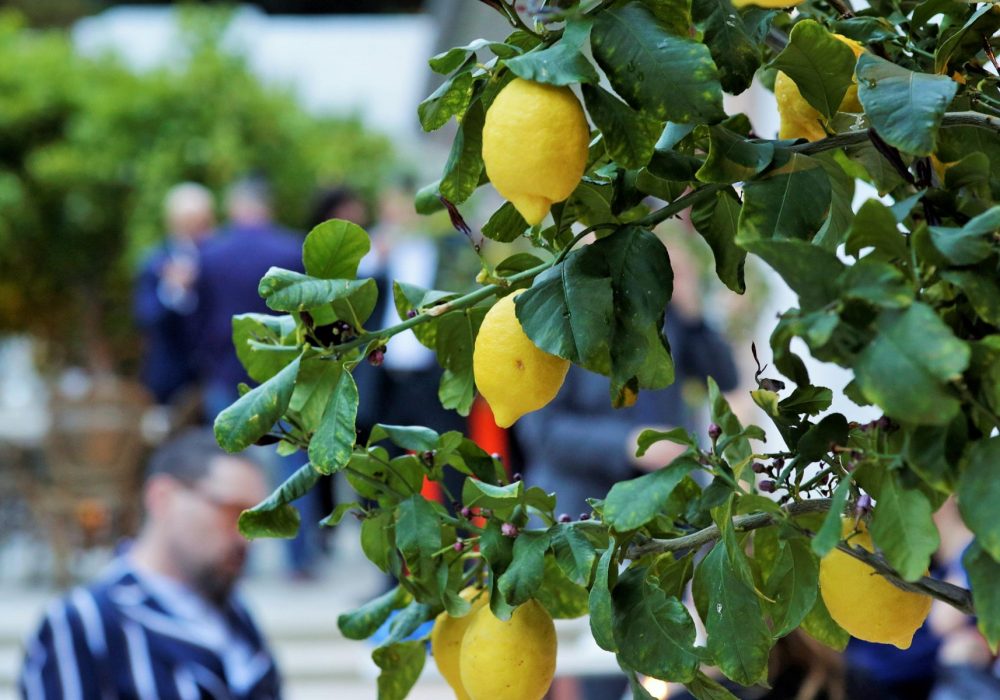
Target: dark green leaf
{"points": [[563, 63], [629, 135], [668, 77], [705, 688], [792, 585], [732, 158], [876, 283], [261, 364], [410, 437], [254, 413], [518, 262], [816, 441], [633, 503], [574, 552], [735, 52], [972, 242], [331, 445], [314, 385], [497, 549], [902, 527], [334, 248], [829, 533], [654, 632], [984, 572], [601, 612], [809, 400], [560, 596], [285, 290], [966, 41], [638, 691], [362, 623], [401, 665], [452, 59], [791, 202], [338, 513], [821, 66], [378, 539], [907, 367], [449, 100], [505, 225], [649, 437], [797, 263], [717, 220], [904, 107], [418, 532], [274, 517], [465, 162], [456, 338], [524, 575], [981, 290], [481, 495], [407, 622], [978, 491]]}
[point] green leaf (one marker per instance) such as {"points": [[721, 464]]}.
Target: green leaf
{"points": [[274, 517], [732, 158], [928, 453], [902, 527], [601, 610], [338, 513], [454, 343], [261, 364], [331, 445], [629, 136], [638, 691], [654, 632], [981, 290], [799, 264], [816, 441], [314, 385], [633, 503], [876, 283], [907, 366], [497, 548], [452, 59], [978, 491], [735, 52], [791, 202], [407, 622], [285, 290], [482, 495], [838, 222], [563, 63], [252, 416], [972, 242], [966, 41], [717, 220], [820, 626], [668, 77], [524, 575], [410, 437], [450, 100], [401, 665], [821, 66], [738, 638], [518, 262], [984, 572], [418, 533], [649, 437], [465, 161], [506, 224], [574, 553], [362, 623], [809, 400], [904, 107], [560, 596], [378, 540], [828, 535], [793, 585], [333, 249], [705, 688]]}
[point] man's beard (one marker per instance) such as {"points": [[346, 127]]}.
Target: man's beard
{"points": [[215, 582]]}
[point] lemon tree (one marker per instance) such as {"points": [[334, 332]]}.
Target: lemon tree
{"points": [[597, 120]]}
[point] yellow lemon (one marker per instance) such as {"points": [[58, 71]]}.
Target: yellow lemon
{"points": [[446, 640], [512, 374], [535, 142], [863, 602], [512, 660], [799, 119]]}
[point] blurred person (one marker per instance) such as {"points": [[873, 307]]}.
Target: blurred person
{"points": [[165, 294], [579, 445], [232, 265], [164, 619]]}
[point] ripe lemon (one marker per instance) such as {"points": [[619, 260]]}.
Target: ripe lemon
{"points": [[863, 602], [512, 660], [446, 640], [535, 142], [512, 374], [799, 119]]}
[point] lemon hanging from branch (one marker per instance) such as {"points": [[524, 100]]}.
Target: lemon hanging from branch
{"points": [[446, 640], [535, 142], [513, 375]]}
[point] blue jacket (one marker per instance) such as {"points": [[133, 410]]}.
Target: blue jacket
{"points": [[119, 639], [232, 264], [575, 446]]}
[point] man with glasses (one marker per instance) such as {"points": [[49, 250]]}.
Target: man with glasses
{"points": [[164, 622]]}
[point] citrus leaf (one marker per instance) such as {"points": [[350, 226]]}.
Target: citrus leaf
{"points": [[629, 135], [791, 201], [331, 445], [563, 63], [717, 220], [465, 161], [735, 52], [401, 665], [274, 517], [984, 572], [978, 489], [333, 249], [633, 503], [284, 290], [450, 99], [821, 66], [252, 416], [732, 158]]}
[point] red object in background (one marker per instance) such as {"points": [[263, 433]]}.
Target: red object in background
{"points": [[484, 431]]}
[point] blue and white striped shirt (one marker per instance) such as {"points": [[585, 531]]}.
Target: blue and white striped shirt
{"points": [[135, 636]]}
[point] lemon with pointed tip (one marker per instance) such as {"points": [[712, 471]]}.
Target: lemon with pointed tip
{"points": [[863, 602], [512, 660], [799, 119], [446, 640], [513, 375], [535, 146]]}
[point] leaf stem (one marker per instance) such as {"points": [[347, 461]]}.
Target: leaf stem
{"points": [[376, 483]]}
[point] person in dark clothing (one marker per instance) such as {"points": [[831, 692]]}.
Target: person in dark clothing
{"points": [[165, 296]]}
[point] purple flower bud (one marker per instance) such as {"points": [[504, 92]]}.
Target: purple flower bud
{"points": [[459, 545], [758, 468], [714, 431], [864, 505], [517, 476], [412, 313], [375, 357], [508, 530], [428, 456], [779, 463], [466, 512], [584, 516], [767, 486], [564, 518]]}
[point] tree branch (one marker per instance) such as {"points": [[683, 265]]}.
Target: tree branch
{"points": [[957, 597]]}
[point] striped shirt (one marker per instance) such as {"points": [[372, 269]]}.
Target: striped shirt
{"points": [[133, 636]]}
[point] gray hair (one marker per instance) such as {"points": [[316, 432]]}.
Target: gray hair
{"points": [[188, 457], [186, 199]]}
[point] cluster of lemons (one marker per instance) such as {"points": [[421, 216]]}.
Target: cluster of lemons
{"points": [[484, 658]]}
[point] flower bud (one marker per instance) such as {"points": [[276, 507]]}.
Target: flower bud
{"points": [[466, 512], [714, 431], [758, 468], [459, 545], [767, 486], [564, 518], [508, 530], [584, 516]]}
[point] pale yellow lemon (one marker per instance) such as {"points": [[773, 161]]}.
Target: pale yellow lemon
{"points": [[446, 640]]}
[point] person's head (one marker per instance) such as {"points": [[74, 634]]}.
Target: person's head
{"points": [[340, 203], [249, 201], [193, 496], [189, 211]]}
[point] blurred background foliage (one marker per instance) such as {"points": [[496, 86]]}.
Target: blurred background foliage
{"points": [[88, 148]]}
